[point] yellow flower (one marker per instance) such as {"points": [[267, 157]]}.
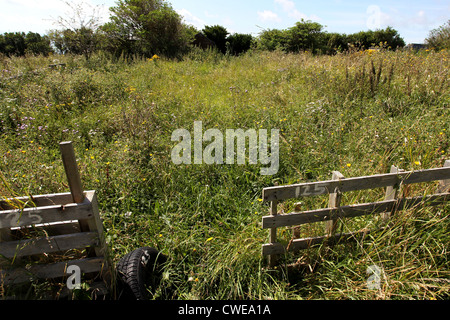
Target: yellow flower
{"points": [[349, 165], [209, 239], [417, 162]]}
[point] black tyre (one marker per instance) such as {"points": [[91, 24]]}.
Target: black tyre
{"points": [[138, 272]]}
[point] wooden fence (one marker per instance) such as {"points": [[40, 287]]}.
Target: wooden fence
{"points": [[335, 211]]}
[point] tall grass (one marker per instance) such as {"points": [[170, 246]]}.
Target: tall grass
{"points": [[358, 112]]}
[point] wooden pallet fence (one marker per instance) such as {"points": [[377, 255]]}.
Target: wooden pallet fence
{"points": [[335, 211], [52, 228]]}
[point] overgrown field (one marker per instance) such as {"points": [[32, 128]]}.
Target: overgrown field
{"points": [[357, 112]]}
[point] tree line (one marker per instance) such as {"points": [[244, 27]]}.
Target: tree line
{"points": [[149, 27]]}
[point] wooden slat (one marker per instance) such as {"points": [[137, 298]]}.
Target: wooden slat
{"points": [[319, 215], [444, 184], [305, 243], [29, 247], [354, 184], [391, 193], [50, 271], [334, 201], [38, 200], [39, 215], [95, 224], [273, 231]]}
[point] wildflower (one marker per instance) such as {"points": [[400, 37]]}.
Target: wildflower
{"points": [[209, 239], [349, 165], [260, 200], [154, 58], [417, 163]]}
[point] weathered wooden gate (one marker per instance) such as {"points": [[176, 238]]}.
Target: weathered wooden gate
{"points": [[42, 236], [335, 211]]}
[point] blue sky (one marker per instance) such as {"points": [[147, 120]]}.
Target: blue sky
{"points": [[412, 18]]}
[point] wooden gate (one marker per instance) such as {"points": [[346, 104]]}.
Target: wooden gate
{"points": [[335, 211], [42, 236]]}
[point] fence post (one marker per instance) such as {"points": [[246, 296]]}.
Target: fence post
{"points": [[76, 188], [273, 234], [334, 202], [444, 185], [70, 166], [391, 193]]}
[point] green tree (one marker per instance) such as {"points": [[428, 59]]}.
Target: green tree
{"points": [[37, 44], [272, 39], [439, 38], [305, 35], [219, 35], [239, 43], [82, 41], [13, 44], [335, 42], [147, 27], [79, 33], [19, 44], [388, 38]]}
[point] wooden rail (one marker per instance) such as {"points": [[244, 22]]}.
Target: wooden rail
{"points": [[335, 211]]}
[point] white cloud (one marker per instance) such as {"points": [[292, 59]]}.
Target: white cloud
{"points": [[268, 15], [289, 7], [40, 16], [189, 18]]}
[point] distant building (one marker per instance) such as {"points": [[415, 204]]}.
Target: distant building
{"points": [[416, 46], [203, 42]]}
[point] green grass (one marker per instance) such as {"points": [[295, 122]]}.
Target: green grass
{"points": [[358, 113]]}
